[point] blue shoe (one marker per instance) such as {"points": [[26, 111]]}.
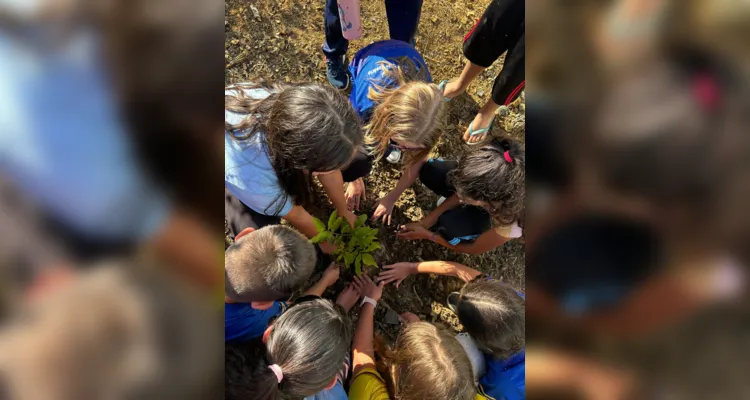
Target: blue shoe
{"points": [[336, 73]]}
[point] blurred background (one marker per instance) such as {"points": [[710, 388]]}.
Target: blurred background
{"points": [[637, 221], [111, 247]]}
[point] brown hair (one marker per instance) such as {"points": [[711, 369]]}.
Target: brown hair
{"points": [[428, 362], [411, 109], [486, 175], [494, 314], [268, 264], [308, 128]]}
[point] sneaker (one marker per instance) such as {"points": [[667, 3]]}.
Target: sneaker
{"points": [[336, 73], [452, 301], [394, 157]]}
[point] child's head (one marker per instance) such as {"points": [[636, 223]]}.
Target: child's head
{"points": [[428, 362], [493, 176], [494, 315], [304, 351], [412, 115], [267, 264], [308, 129]]}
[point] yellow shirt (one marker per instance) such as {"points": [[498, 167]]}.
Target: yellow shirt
{"points": [[367, 384]]}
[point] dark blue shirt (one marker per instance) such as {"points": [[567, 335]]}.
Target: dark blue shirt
{"points": [[242, 322], [367, 69], [505, 379]]}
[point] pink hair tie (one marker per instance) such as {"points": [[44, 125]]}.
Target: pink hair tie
{"points": [[507, 156], [277, 371]]}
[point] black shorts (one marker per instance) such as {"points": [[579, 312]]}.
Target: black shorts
{"points": [[501, 28]]}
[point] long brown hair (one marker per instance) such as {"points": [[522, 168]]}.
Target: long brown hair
{"points": [[427, 362], [308, 128], [411, 109]]}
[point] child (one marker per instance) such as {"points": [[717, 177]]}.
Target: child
{"points": [[277, 140], [427, 362], [501, 28], [484, 199], [492, 313], [261, 268], [392, 92], [403, 18], [300, 355]]}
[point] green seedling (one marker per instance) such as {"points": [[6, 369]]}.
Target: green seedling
{"points": [[354, 246]]}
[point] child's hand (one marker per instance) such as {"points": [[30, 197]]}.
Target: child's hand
{"points": [[408, 318], [350, 217], [368, 288], [327, 247], [331, 274], [348, 297], [414, 231], [384, 209], [396, 272], [354, 192]]}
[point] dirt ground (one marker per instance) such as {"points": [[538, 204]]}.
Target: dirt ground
{"points": [[281, 41]]}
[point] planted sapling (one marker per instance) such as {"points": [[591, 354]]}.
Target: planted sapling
{"points": [[354, 246]]}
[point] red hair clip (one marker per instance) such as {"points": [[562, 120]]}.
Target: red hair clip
{"points": [[506, 155]]}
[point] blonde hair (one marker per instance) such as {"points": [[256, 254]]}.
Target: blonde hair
{"points": [[427, 363], [410, 109]]}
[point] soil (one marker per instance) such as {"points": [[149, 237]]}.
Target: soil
{"points": [[281, 41]]}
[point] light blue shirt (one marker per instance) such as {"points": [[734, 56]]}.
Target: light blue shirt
{"points": [[63, 142], [248, 173]]}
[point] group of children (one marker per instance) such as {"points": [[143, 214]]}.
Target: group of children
{"points": [[278, 140]]}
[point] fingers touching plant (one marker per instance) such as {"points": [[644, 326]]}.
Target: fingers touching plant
{"points": [[354, 246]]}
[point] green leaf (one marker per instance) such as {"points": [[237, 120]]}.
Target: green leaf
{"points": [[336, 224], [346, 228], [321, 237], [332, 219], [319, 225], [373, 246], [358, 265], [360, 220], [349, 258], [368, 260]]}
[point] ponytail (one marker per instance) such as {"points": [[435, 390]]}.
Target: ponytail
{"points": [[494, 174], [302, 355]]}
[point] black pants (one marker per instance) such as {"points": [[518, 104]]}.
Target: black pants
{"points": [[501, 28], [461, 224]]}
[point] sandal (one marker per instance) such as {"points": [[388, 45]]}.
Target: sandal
{"points": [[441, 86], [482, 131]]}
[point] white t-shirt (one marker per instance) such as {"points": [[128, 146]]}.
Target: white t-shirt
{"points": [[248, 173]]}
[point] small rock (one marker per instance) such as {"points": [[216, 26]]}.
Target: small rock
{"points": [[256, 13], [480, 93], [503, 111], [391, 317]]}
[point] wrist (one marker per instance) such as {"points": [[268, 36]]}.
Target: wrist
{"points": [[413, 268], [369, 300]]}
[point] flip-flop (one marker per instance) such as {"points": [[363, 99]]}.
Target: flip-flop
{"points": [[482, 131], [441, 86]]}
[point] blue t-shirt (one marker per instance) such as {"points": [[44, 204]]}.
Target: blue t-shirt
{"points": [[242, 322], [64, 143], [248, 173], [505, 379], [366, 69]]}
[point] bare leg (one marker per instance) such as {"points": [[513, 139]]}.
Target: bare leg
{"points": [[482, 120], [457, 86]]}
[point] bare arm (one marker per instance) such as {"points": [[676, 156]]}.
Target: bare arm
{"points": [[363, 353], [333, 184], [303, 221], [448, 268], [407, 179]]}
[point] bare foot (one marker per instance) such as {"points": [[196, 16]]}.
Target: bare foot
{"points": [[453, 89], [481, 121], [348, 297]]}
